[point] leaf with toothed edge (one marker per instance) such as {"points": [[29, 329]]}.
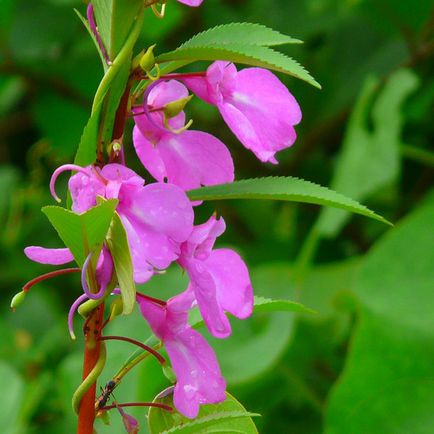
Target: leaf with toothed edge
{"points": [[82, 233], [228, 416], [240, 33], [252, 55], [283, 188]]}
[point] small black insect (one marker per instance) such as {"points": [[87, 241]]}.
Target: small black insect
{"points": [[105, 395]]}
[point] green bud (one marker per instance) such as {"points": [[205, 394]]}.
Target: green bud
{"points": [[116, 308], [147, 62], [173, 108], [169, 374], [18, 299], [104, 417]]}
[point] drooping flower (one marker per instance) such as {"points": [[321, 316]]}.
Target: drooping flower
{"points": [[255, 105], [219, 278], [199, 379], [157, 217], [189, 158]]}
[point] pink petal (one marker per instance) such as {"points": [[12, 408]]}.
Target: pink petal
{"points": [[163, 208], [48, 256], [166, 92], [84, 189], [199, 379], [218, 85], [149, 155], [192, 159], [193, 3], [232, 280], [104, 268], [204, 287], [202, 239], [261, 112]]}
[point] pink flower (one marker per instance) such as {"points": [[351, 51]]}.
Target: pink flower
{"points": [[188, 159], [219, 278], [254, 103], [157, 217], [194, 3], [199, 379]]}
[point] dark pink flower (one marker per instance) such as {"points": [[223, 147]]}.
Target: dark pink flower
{"points": [[189, 158], [254, 103], [219, 278], [199, 379]]}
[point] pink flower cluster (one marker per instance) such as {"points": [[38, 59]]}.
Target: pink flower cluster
{"points": [[159, 217]]}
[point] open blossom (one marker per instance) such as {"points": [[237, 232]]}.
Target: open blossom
{"points": [[254, 103], [219, 278], [199, 379], [189, 158], [157, 217]]}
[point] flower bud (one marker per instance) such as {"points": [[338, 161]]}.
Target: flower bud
{"points": [[173, 108], [147, 62], [18, 299], [116, 308]]}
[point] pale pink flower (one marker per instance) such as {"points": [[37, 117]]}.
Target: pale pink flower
{"points": [[254, 103], [198, 375], [219, 278]]}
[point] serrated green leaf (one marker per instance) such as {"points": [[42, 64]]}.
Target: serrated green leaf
{"points": [[82, 233], [120, 251], [241, 53], [240, 33], [227, 417], [282, 188], [261, 304]]}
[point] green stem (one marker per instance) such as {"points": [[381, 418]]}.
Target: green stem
{"points": [[89, 381]]}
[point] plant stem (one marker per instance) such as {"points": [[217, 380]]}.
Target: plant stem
{"points": [[92, 346]]}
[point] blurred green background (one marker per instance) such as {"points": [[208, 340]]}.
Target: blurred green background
{"points": [[365, 362]]}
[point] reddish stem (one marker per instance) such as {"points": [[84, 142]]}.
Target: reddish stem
{"points": [[139, 404], [49, 275], [92, 333], [154, 300], [155, 353]]}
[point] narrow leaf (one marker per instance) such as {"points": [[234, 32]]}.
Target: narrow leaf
{"points": [[242, 53], [263, 304], [282, 188], [86, 152], [119, 248], [115, 19], [240, 33], [82, 233], [228, 416]]}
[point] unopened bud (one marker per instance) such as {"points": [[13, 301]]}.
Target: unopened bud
{"points": [[104, 417], [116, 308], [173, 108], [18, 299], [147, 62]]}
